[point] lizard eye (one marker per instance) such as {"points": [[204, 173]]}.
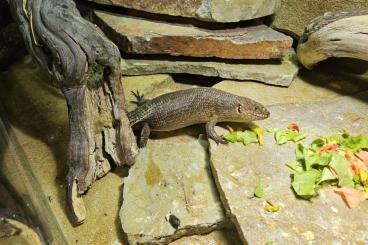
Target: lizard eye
{"points": [[239, 108]]}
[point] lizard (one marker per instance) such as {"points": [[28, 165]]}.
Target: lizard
{"points": [[192, 106]]}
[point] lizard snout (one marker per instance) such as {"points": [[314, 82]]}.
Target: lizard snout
{"points": [[260, 111]]}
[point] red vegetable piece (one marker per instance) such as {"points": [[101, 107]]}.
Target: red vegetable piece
{"points": [[351, 196], [293, 126], [332, 146], [363, 155], [355, 163]]}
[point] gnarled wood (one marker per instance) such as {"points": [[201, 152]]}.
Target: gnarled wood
{"points": [[85, 65], [339, 34]]}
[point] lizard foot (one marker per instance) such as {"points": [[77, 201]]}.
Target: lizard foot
{"points": [[219, 140], [140, 100]]}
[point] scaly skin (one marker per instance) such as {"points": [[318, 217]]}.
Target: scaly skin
{"points": [[193, 106]]}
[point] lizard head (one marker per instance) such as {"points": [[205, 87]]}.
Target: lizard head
{"points": [[249, 110]]}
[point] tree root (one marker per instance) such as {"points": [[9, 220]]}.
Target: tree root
{"points": [[85, 65]]}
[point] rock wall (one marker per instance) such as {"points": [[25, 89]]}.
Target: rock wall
{"points": [[294, 15]]}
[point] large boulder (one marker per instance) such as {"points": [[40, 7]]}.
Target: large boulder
{"points": [[294, 15], [207, 10]]}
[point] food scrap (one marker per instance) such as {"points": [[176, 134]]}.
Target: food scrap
{"points": [[246, 137], [258, 191], [337, 160], [291, 134], [270, 207], [260, 132], [294, 127]]}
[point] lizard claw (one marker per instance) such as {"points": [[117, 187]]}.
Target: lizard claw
{"points": [[220, 140], [140, 100]]}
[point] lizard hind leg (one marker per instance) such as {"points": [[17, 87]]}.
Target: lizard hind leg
{"points": [[211, 133], [144, 135], [140, 100]]}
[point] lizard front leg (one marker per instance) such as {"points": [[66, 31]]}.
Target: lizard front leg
{"points": [[211, 133], [144, 135], [139, 98]]}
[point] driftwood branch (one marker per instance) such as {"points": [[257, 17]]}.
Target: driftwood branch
{"points": [[339, 34], [85, 65]]}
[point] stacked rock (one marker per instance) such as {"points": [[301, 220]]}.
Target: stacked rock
{"points": [[206, 37]]}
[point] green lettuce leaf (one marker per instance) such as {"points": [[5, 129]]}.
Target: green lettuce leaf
{"points": [[355, 143], [327, 175], [246, 137], [283, 136], [305, 183], [296, 166], [249, 137], [342, 168], [231, 138], [258, 191]]}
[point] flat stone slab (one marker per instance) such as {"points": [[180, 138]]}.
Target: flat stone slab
{"points": [[142, 36], [306, 87], [279, 73], [170, 177], [324, 219], [207, 10], [217, 237]]}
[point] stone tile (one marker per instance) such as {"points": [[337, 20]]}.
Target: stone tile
{"points": [[220, 237], [308, 86], [323, 220], [170, 177], [270, 72], [213, 10], [142, 36], [295, 14]]}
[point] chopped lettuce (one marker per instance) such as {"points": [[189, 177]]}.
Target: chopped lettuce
{"points": [[305, 183], [246, 137], [258, 191], [283, 136], [330, 160]]}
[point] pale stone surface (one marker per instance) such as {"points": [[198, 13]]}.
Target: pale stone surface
{"points": [[170, 178], [39, 117], [220, 237], [270, 72], [294, 15], [208, 10], [307, 87], [142, 36], [323, 220]]}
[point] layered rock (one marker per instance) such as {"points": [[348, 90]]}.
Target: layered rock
{"points": [[239, 169], [295, 14], [302, 90], [218, 237], [279, 73], [207, 10], [142, 36]]}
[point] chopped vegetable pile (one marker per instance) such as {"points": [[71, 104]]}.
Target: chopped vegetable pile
{"points": [[291, 134], [246, 137], [339, 160]]}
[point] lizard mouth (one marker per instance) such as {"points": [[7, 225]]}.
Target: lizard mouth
{"points": [[260, 116]]}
